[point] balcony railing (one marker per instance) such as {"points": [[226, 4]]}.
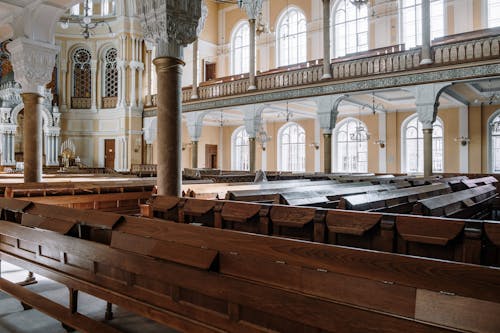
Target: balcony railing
{"points": [[455, 49]]}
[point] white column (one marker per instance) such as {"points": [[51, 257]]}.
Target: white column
{"points": [[3, 137], [326, 40], [11, 150], [463, 123], [382, 136], [194, 93], [133, 68], [426, 57], [251, 76], [64, 72], [124, 84], [140, 69], [149, 53], [264, 151], [93, 93], [120, 79]]}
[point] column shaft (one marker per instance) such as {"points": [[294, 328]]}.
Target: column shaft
{"points": [[251, 146], [141, 71], [93, 93], [194, 154], [251, 75], [133, 102], [194, 94], [326, 40], [327, 137], [63, 89], [427, 152], [169, 73], [32, 139], [426, 33], [148, 73]]}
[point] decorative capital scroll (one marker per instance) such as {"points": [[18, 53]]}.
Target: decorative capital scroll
{"points": [[252, 8], [33, 63], [427, 101], [328, 111], [194, 124], [171, 24]]}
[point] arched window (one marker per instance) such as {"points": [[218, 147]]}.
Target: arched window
{"points": [[240, 149], [110, 78], [352, 146], [75, 9], [493, 13], [413, 146], [241, 49], [411, 21], [81, 78], [292, 41], [292, 148], [494, 142], [350, 28]]}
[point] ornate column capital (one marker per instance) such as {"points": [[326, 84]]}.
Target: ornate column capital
{"points": [[32, 62], [194, 124], [253, 119], [252, 8], [171, 24], [328, 111], [427, 101]]}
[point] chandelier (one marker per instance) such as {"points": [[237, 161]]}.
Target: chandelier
{"points": [[360, 134], [86, 22], [287, 114], [359, 3], [262, 138]]}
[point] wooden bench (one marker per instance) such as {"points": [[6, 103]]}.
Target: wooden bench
{"points": [[210, 280], [461, 204], [394, 201]]}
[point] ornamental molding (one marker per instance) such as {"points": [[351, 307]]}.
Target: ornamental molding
{"points": [[203, 18], [32, 63], [336, 87], [252, 8], [194, 124], [253, 119], [328, 111], [171, 24]]}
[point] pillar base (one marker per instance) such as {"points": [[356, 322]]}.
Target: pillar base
{"points": [[194, 97], [252, 87], [426, 62], [326, 76]]}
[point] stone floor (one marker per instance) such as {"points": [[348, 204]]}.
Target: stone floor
{"points": [[13, 319]]}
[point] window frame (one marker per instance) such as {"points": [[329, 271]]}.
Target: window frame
{"points": [[333, 24], [336, 151], [287, 166], [490, 146], [235, 161], [404, 149], [487, 4], [280, 23], [244, 48], [417, 34]]}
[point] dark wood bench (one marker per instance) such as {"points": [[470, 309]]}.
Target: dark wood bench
{"points": [[210, 280], [461, 204], [394, 201]]}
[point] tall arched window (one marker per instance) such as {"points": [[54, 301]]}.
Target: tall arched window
{"points": [[411, 21], [240, 150], [241, 49], [413, 146], [350, 26], [352, 146], [81, 78], [493, 13], [494, 142], [292, 148], [292, 41], [110, 78]]}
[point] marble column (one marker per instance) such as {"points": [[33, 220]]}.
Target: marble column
{"points": [[251, 151], [140, 69], [133, 68], [64, 73], [93, 93], [149, 153], [33, 63], [194, 154], [426, 57], [427, 151], [326, 40], [327, 151], [149, 54], [194, 93], [252, 8], [172, 24]]}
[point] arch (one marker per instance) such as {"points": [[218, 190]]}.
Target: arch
{"points": [[240, 48], [292, 148], [412, 145], [240, 154], [351, 155], [46, 115], [493, 144], [81, 72], [291, 37], [350, 29]]}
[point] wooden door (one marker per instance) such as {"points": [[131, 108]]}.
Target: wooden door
{"points": [[109, 153], [211, 156], [210, 73]]}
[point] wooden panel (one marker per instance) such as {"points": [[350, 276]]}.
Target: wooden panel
{"points": [[175, 252], [351, 223], [455, 311], [291, 216], [438, 232], [46, 223], [239, 212]]}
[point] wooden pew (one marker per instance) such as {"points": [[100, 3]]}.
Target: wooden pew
{"points": [[490, 254], [471, 183], [394, 201], [461, 204], [257, 283]]}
